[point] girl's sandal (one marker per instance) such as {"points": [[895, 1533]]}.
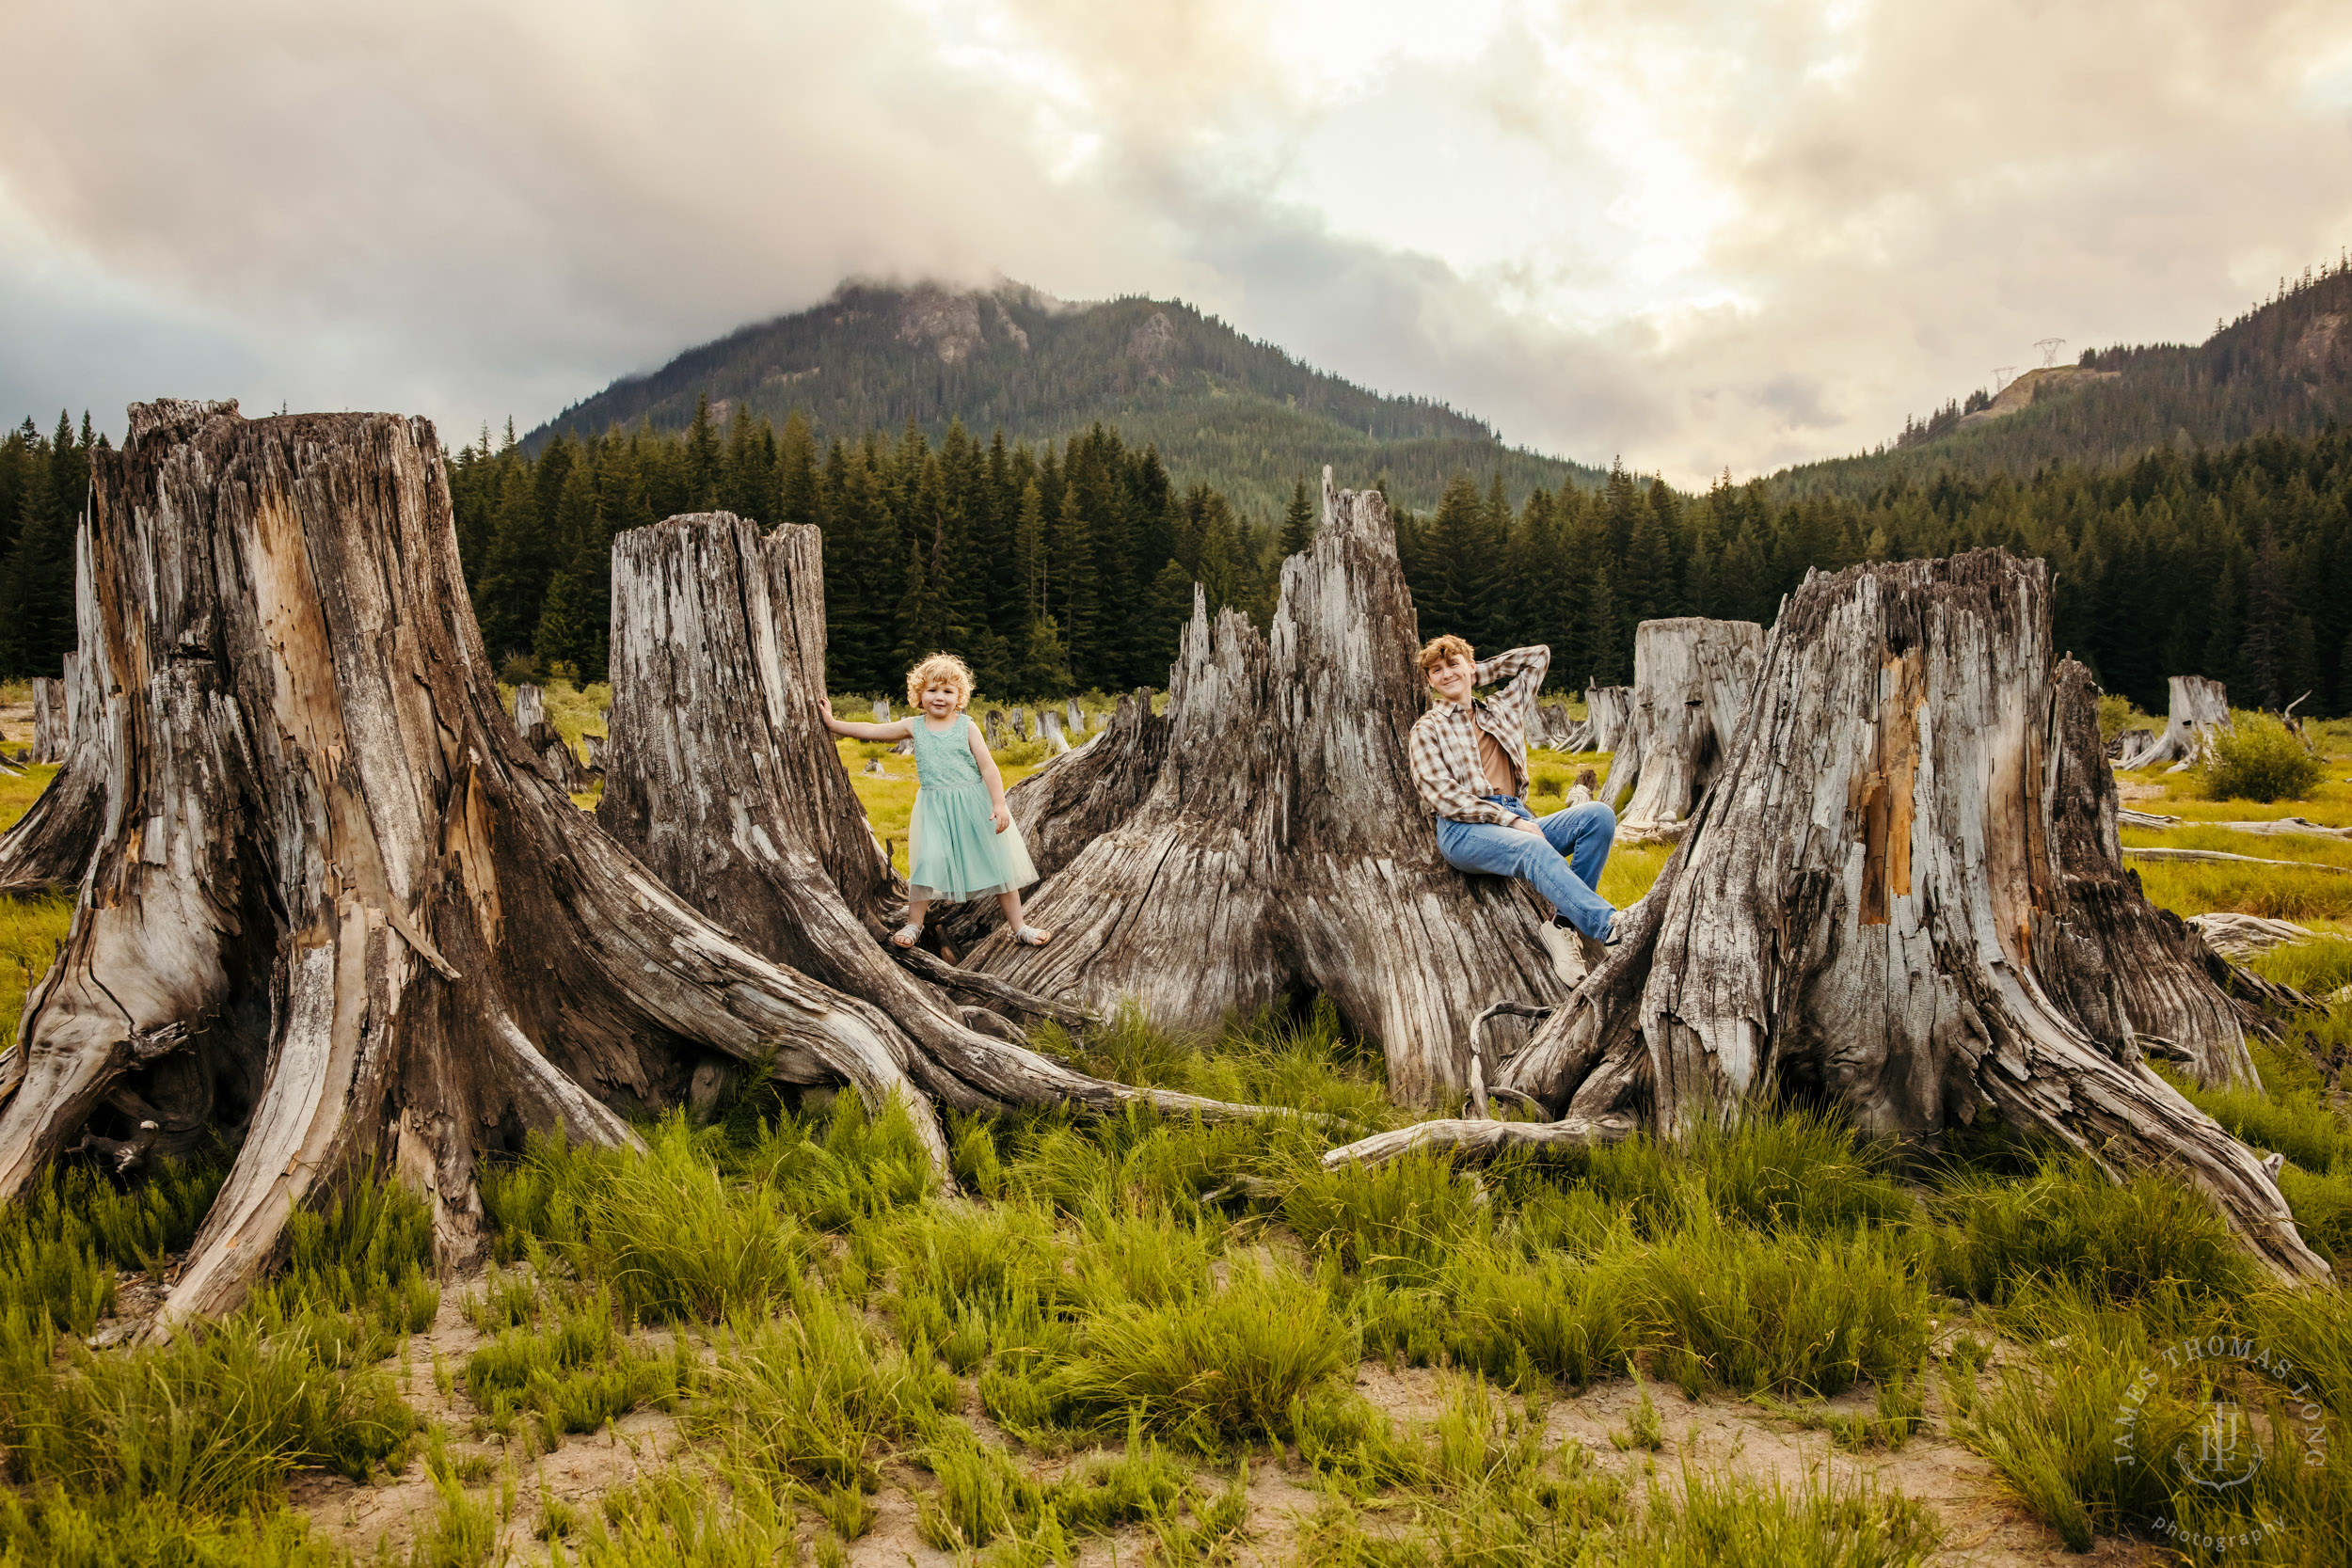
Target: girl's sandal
{"points": [[1029, 936], [907, 935]]}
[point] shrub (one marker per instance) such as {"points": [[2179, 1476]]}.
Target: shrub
{"points": [[2118, 713], [2260, 760]]}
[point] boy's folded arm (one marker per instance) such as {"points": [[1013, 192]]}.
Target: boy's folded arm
{"points": [[1524, 669]]}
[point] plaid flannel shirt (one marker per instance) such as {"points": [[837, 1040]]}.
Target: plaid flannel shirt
{"points": [[1444, 747]]}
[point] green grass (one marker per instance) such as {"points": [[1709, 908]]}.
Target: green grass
{"points": [[63, 1242], [30, 928], [1155, 1300], [180, 1451], [2068, 1224], [2085, 1428], [666, 1229], [574, 1372]]}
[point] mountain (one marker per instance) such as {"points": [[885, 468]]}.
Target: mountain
{"points": [[2284, 366], [1240, 415]]}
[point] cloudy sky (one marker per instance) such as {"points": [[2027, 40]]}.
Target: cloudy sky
{"points": [[1699, 235]]}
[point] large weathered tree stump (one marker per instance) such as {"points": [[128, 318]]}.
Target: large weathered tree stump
{"points": [[1902, 896], [1275, 844], [337, 909], [1692, 677], [2199, 707], [721, 777], [50, 845]]}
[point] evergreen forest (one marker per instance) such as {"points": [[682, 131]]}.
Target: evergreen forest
{"points": [[1054, 569]]}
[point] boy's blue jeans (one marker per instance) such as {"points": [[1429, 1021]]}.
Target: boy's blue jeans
{"points": [[1583, 833]]}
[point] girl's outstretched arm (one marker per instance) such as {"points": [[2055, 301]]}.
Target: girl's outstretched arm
{"points": [[999, 813], [897, 729]]}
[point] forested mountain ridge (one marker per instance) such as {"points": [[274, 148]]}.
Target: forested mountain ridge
{"points": [[1241, 416], [2282, 368]]}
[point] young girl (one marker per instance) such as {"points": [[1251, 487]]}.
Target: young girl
{"points": [[960, 843]]}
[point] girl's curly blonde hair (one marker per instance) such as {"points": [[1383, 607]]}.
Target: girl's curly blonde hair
{"points": [[940, 669]]}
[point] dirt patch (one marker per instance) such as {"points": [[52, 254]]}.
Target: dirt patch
{"points": [[1982, 1523]]}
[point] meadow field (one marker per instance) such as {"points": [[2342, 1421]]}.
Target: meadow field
{"points": [[1141, 1340]]}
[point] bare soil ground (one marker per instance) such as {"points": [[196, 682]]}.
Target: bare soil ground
{"points": [[1982, 1524]]}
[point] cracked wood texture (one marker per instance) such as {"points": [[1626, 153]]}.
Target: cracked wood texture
{"points": [[337, 909], [2199, 707], [51, 843], [1897, 897], [1692, 677], [720, 776], [1262, 838]]}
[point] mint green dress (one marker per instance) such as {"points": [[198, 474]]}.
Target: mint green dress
{"points": [[954, 852]]}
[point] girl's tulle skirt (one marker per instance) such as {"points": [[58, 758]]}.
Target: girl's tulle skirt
{"points": [[954, 852]]}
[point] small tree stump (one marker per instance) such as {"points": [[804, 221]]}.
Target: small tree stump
{"points": [[2199, 707], [1692, 677], [1049, 725], [1263, 837], [1608, 717], [1021, 723], [992, 727]]}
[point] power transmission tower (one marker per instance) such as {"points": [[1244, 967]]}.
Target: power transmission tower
{"points": [[2049, 347], [2001, 378]]}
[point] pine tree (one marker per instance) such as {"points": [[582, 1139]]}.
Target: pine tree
{"points": [[1170, 608], [798, 490], [1045, 662], [700, 451], [574, 627], [1299, 521], [37, 628], [1069, 599]]}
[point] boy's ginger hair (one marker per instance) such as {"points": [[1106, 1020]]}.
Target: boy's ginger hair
{"points": [[940, 669], [1440, 649]]}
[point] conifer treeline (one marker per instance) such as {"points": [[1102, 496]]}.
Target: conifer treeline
{"points": [[1052, 570], [43, 484], [2234, 565], [1047, 570]]}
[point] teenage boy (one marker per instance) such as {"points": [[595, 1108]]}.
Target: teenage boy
{"points": [[1470, 761]]}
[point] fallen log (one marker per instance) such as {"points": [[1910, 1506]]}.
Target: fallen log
{"points": [[2199, 707], [2224, 857], [2281, 827], [1902, 896], [1263, 838], [2238, 936]]}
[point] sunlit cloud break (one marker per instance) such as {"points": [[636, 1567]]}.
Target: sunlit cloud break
{"points": [[1699, 236]]}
